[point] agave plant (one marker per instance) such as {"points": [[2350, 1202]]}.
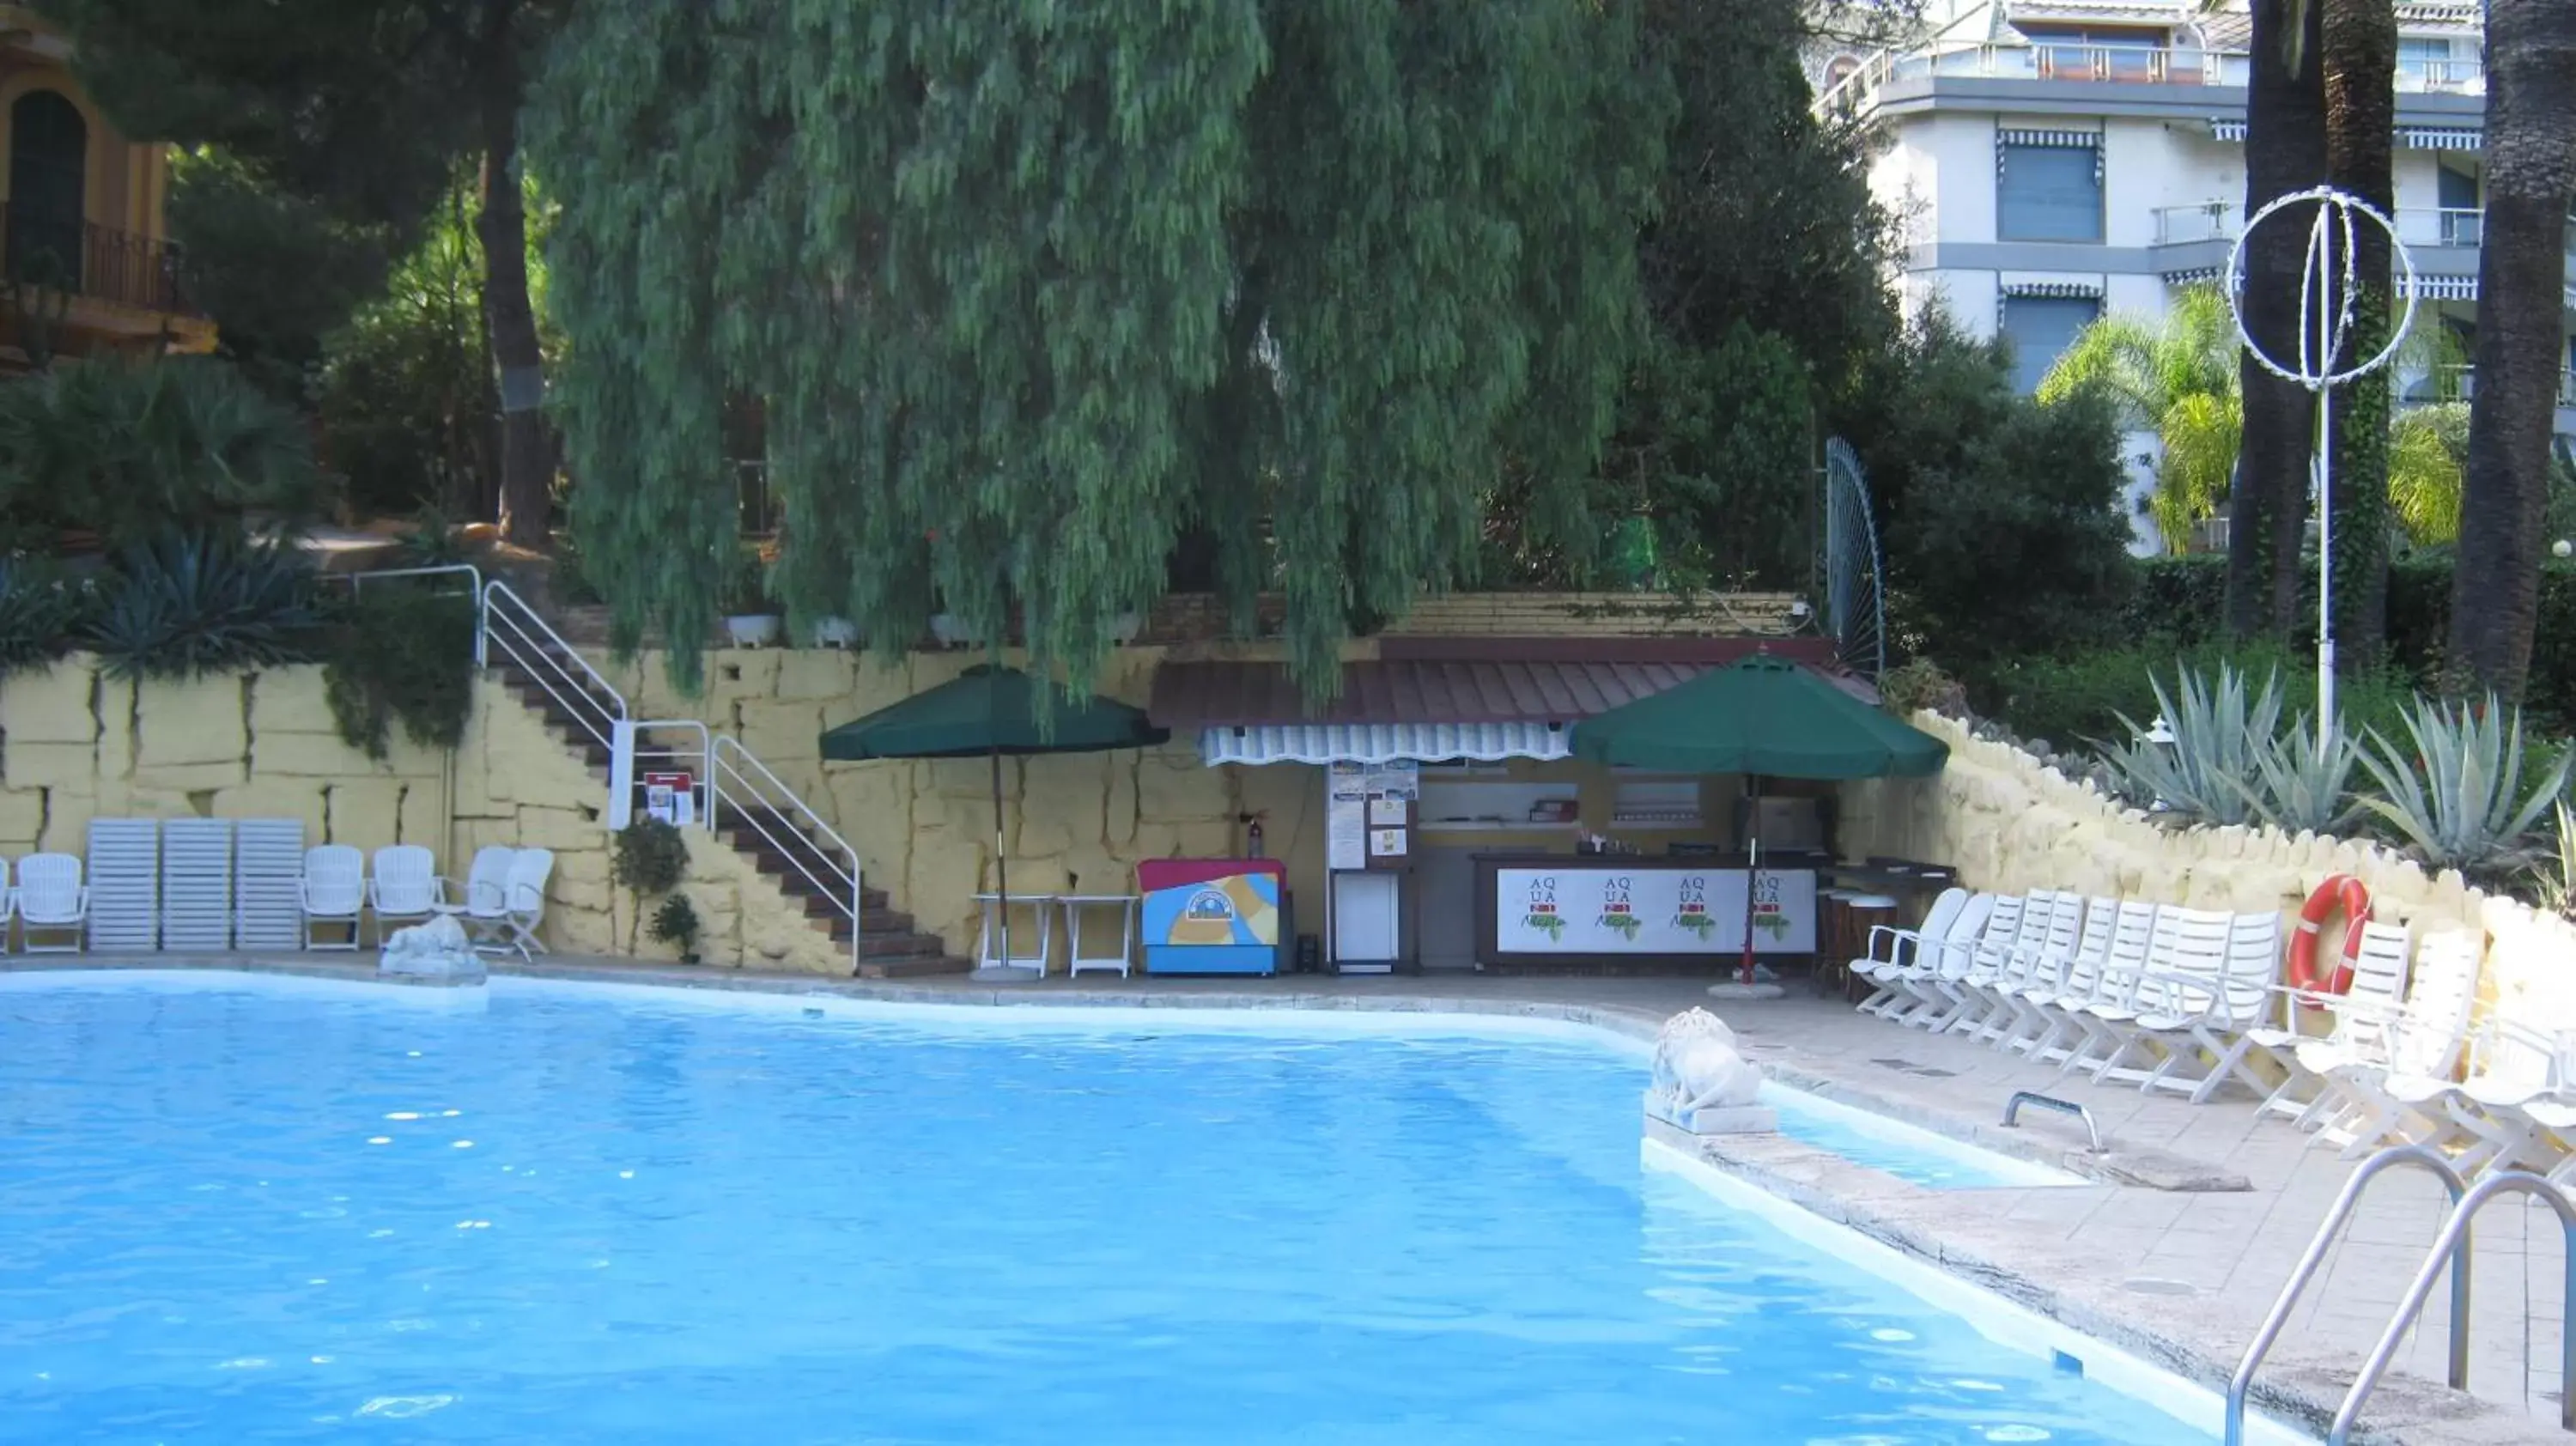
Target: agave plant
{"points": [[187, 606], [2554, 879], [2208, 772], [2457, 795], [39, 610], [2298, 787]]}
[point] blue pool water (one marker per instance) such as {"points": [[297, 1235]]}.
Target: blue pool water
{"points": [[244, 1212], [1901, 1150]]}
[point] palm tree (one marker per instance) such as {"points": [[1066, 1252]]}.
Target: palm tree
{"points": [[2522, 274], [2175, 376], [2361, 117], [2285, 151], [2426, 449]]}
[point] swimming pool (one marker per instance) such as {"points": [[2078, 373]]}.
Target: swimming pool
{"points": [[250, 1211], [1905, 1151]]}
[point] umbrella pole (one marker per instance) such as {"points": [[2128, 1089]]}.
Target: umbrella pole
{"points": [[1752, 872], [1001, 860]]}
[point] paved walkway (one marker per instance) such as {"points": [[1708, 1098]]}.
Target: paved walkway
{"points": [[2204, 1267]]}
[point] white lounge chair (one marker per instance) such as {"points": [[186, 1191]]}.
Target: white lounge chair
{"points": [[2400, 1094], [1956, 988], [2370, 1003], [1945, 957], [2050, 936], [2039, 1021], [1889, 950], [333, 892], [2101, 994], [2516, 1084], [51, 900], [404, 887], [2219, 1027], [2186, 961]]}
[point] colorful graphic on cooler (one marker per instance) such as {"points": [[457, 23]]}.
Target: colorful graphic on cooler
{"points": [[1692, 913], [1617, 913], [1542, 914]]}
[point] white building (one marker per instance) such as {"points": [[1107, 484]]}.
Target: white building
{"points": [[2057, 159]]}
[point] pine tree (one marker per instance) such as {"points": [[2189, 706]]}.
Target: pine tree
{"points": [[1028, 287]]}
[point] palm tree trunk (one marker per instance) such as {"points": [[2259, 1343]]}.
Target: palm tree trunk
{"points": [[527, 452], [2285, 151], [2361, 119], [2522, 275]]}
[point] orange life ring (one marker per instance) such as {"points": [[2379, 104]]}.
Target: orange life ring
{"points": [[2344, 892]]}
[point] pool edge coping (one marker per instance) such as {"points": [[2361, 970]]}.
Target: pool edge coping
{"points": [[2302, 1392]]}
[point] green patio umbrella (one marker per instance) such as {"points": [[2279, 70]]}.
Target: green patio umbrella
{"points": [[1760, 717], [992, 710]]}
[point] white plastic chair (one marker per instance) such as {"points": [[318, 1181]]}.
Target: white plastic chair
{"points": [[2101, 996], [52, 900], [1890, 949], [2370, 1003], [8, 905], [404, 886], [2049, 937], [1955, 985], [2220, 1029], [2073, 968], [333, 892], [505, 899], [2394, 1093], [1935, 956], [2186, 963]]}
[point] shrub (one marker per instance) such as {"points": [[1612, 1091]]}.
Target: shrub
{"points": [[1912, 687], [676, 923], [40, 610], [189, 606], [2456, 789], [2084, 695], [128, 451], [650, 857], [402, 653]]}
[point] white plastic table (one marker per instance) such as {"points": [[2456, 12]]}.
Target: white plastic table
{"points": [[988, 949], [1075, 960]]}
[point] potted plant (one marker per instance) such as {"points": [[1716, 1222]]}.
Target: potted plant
{"points": [[751, 619], [676, 924], [950, 630], [839, 633]]}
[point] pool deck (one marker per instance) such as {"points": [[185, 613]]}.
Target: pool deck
{"points": [[2182, 1276]]}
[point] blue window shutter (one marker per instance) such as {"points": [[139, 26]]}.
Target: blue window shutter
{"points": [[2048, 193], [2040, 329]]}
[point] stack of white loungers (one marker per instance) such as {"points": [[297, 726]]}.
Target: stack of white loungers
{"points": [[2188, 1000]]}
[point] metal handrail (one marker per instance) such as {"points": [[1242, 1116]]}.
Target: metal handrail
{"points": [[529, 650], [2242, 1383], [2454, 1242], [810, 828], [2012, 1112], [357, 582]]}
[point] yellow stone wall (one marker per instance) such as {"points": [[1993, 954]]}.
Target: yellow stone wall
{"points": [[2010, 825], [75, 745]]}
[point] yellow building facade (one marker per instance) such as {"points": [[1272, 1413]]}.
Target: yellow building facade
{"points": [[86, 264]]}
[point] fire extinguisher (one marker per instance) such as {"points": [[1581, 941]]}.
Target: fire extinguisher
{"points": [[1252, 838]]}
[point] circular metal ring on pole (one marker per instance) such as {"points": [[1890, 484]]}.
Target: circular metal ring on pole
{"points": [[2323, 337]]}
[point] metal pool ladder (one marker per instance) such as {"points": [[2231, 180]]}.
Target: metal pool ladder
{"points": [[2012, 1112], [2450, 1248]]}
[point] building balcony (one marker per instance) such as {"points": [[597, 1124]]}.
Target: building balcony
{"points": [[2068, 62], [93, 263], [2188, 225], [2460, 384]]}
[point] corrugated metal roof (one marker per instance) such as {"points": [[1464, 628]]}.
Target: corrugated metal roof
{"points": [[1456, 691]]}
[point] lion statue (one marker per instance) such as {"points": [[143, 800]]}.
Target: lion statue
{"points": [[1697, 1067]]}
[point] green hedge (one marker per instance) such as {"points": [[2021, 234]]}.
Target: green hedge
{"points": [[2183, 600]]}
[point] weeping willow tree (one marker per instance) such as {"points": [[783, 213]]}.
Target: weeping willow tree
{"points": [[1030, 288]]}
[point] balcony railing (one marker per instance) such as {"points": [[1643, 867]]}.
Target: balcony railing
{"points": [[82, 259], [2123, 64], [2459, 383], [2209, 221]]}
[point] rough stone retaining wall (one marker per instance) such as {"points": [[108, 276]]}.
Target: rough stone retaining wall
{"points": [[2012, 825]]}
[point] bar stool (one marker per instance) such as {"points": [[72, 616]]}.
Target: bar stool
{"points": [[988, 948], [1833, 935], [1075, 961], [1863, 913]]}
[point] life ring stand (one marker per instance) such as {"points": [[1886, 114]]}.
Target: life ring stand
{"points": [[2342, 893]]}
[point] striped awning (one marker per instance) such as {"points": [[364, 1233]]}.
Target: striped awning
{"points": [[2007, 136], [2440, 138], [1381, 742], [2193, 275], [2446, 288], [2091, 290], [2227, 130]]}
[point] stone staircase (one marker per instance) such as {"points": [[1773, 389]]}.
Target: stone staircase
{"points": [[578, 714]]}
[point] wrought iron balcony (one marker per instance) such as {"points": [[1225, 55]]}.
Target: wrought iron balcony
{"points": [[79, 258], [2130, 64]]}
